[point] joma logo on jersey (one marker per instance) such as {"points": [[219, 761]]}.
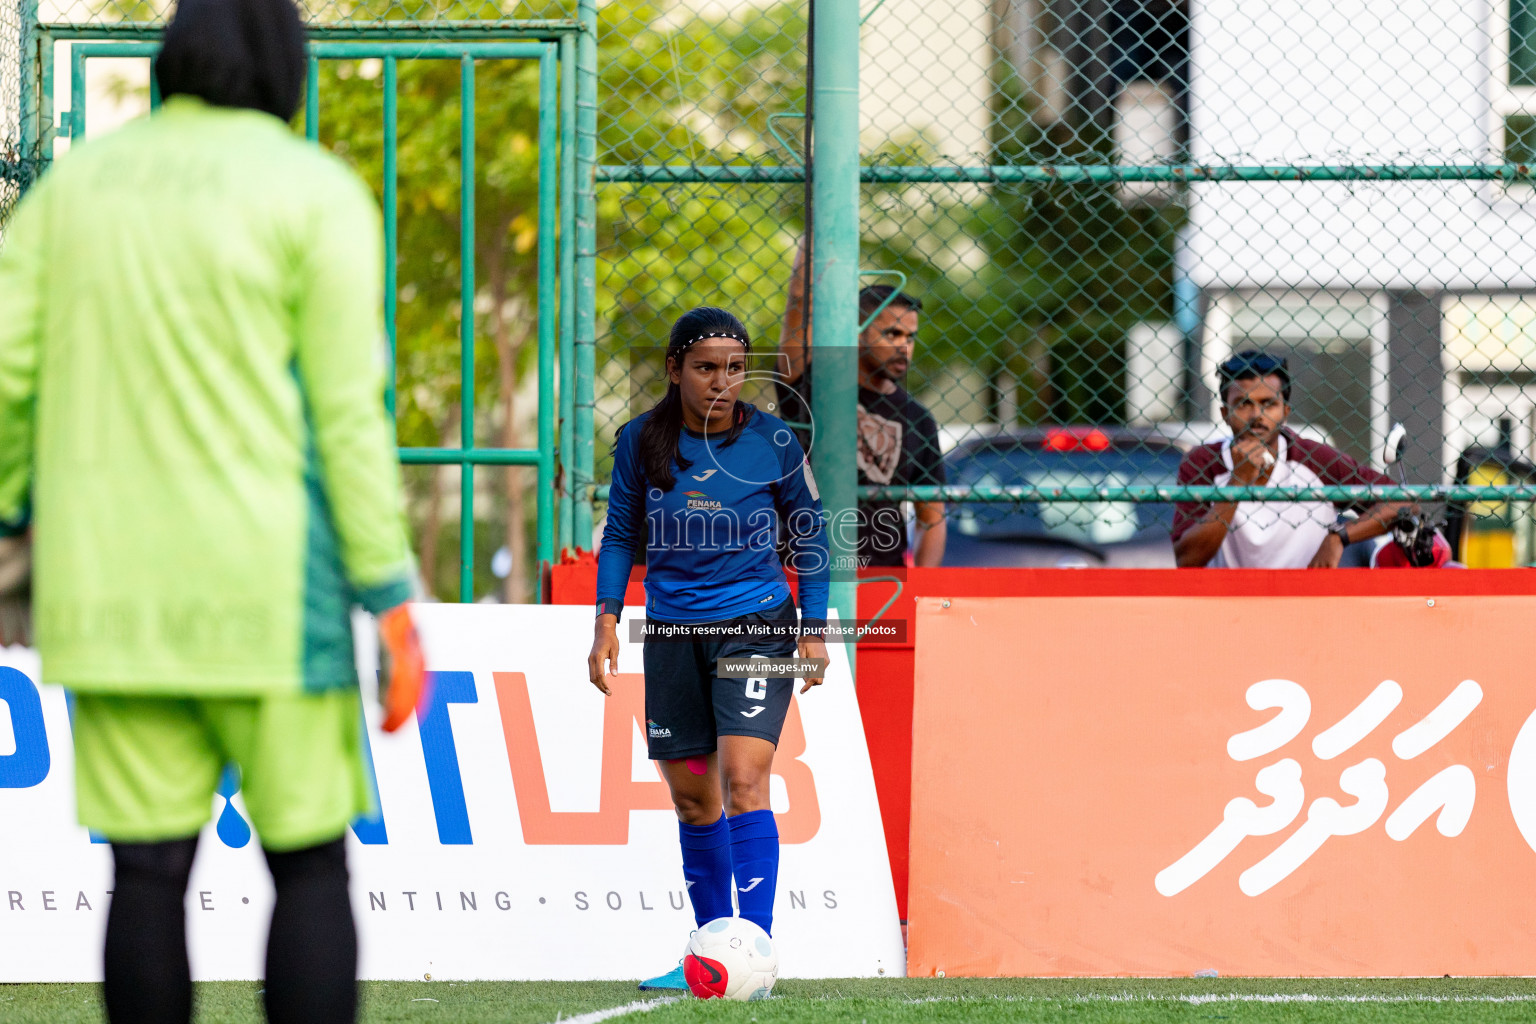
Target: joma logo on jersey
{"points": [[698, 499]]}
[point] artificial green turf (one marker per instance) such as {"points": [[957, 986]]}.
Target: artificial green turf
{"points": [[876, 1001], [444, 1002], [1112, 1001]]}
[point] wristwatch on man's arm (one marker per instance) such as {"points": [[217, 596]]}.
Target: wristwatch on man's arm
{"points": [[1340, 530]]}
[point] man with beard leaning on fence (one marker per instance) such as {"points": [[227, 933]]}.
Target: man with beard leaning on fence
{"points": [[897, 440]]}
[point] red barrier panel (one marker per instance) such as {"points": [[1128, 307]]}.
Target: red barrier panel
{"points": [[1254, 785], [885, 670]]}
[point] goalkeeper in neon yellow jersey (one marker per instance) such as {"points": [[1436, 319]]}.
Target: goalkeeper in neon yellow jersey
{"points": [[192, 427]]}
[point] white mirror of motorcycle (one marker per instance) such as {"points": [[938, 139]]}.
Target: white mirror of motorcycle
{"points": [[1392, 451]]}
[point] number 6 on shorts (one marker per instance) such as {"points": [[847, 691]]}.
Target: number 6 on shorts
{"points": [[757, 689]]}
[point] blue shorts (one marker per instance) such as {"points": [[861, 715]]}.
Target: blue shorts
{"points": [[688, 708]]}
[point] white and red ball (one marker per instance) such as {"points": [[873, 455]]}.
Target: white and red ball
{"points": [[731, 958]]}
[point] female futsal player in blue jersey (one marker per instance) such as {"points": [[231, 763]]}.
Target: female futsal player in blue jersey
{"points": [[707, 480]]}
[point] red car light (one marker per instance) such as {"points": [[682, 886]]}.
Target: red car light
{"points": [[1067, 439]]}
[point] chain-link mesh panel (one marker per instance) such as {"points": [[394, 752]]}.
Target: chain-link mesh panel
{"points": [[1099, 204], [1047, 347], [15, 162], [703, 85]]}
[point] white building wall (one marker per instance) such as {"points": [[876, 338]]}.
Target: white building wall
{"points": [[1351, 81], [923, 69]]}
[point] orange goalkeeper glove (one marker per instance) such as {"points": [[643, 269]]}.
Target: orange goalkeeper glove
{"points": [[403, 685]]}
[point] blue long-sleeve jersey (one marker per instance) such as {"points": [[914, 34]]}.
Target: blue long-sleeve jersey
{"points": [[710, 540]]}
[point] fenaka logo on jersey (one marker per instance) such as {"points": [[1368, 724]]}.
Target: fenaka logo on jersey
{"points": [[698, 499], [657, 731]]}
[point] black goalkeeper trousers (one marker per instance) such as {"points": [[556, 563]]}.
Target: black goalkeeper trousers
{"points": [[311, 970]]}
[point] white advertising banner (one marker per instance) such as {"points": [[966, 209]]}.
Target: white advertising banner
{"points": [[522, 833]]}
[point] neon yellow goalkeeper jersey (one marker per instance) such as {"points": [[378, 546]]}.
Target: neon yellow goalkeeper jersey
{"points": [[191, 403]]}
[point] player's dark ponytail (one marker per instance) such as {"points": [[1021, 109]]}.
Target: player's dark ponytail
{"points": [[660, 438]]}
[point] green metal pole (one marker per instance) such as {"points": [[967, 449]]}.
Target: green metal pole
{"points": [[586, 267], [1071, 174], [441, 33], [434, 50], [567, 289], [549, 191], [31, 61], [835, 283], [471, 456], [76, 96], [391, 221], [467, 325], [1346, 494], [312, 99], [46, 131], [1349, 494]]}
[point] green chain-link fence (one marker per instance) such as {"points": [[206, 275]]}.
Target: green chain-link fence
{"points": [[1097, 202], [15, 162]]}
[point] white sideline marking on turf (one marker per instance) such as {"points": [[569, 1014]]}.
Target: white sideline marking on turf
{"points": [[638, 1006], [1305, 997], [1227, 997]]}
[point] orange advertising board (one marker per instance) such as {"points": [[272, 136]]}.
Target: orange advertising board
{"points": [[1321, 786]]}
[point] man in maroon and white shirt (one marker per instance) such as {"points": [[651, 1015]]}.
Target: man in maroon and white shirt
{"points": [[1255, 401]]}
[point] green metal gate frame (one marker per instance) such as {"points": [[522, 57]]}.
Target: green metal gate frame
{"points": [[566, 242]]}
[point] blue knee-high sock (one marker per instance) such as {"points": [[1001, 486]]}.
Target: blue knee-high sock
{"points": [[755, 863], [707, 868]]}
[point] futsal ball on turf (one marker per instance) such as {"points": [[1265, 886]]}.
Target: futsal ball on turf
{"points": [[731, 958]]}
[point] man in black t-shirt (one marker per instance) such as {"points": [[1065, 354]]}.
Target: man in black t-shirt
{"points": [[898, 441]]}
